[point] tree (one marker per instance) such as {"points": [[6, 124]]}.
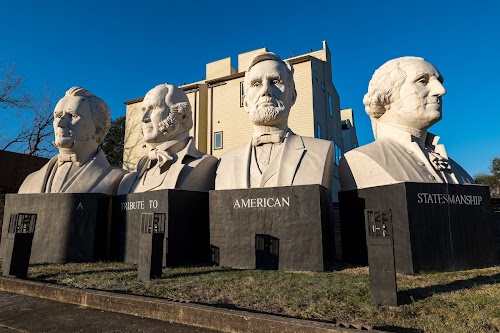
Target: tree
{"points": [[13, 94], [114, 141], [493, 179], [35, 133]]}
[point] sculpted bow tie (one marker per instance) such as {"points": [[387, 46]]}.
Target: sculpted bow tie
{"points": [[158, 155], [439, 162], [63, 158], [267, 138]]}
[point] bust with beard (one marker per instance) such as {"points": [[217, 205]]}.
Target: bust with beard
{"points": [[172, 161], [274, 156], [81, 122]]}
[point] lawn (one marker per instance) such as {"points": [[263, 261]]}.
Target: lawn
{"points": [[464, 301]]}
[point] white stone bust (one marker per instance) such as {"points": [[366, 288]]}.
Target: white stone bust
{"points": [[172, 162], [404, 100], [274, 156], [81, 122]]}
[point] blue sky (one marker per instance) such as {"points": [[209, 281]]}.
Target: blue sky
{"points": [[121, 49]]}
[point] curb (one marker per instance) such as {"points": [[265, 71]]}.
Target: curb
{"points": [[225, 320]]}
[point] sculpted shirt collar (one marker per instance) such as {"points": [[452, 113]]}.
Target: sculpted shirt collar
{"points": [[269, 137], [436, 152], [69, 155]]}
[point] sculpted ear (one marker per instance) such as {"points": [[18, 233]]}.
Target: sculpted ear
{"points": [[97, 134]]}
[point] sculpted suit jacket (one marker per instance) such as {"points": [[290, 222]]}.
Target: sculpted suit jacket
{"points": [[397, 158], [191, 170], [97, 176], [301, 161]]}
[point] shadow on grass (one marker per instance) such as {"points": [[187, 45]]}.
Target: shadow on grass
{"points": [[177, 275], [416, 294], [92, 271]]}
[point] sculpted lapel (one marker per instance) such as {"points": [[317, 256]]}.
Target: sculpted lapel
{"points": [[292, 152], [241, 170]]}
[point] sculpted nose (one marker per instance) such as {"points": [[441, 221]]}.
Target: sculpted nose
{"points": [[437, 89], [266, 89], [146, 117], [61, 121]]}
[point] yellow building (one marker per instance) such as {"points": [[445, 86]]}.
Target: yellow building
{"points": [[221, 123]]}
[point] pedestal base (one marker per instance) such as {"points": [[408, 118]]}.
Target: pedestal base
{"points": [[437, 227], [70, 227], [286, 228], [186, 237]]}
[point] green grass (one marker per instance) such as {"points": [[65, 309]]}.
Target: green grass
{"points": [[465, 301]]}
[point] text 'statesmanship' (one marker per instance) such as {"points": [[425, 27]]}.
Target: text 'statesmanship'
{"points": [[450, 199]]}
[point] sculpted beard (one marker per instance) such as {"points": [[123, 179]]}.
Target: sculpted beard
{"points": [[170, 124], [267, 115]]}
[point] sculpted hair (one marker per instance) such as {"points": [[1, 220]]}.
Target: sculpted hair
{"points": [[271, 56], [101, 115], [180, 109], [384, 86]]}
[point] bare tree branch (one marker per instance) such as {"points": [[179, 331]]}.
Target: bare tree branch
{"points": [[13, 94]]}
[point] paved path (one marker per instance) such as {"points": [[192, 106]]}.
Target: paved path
{"points": [[20, 313]]}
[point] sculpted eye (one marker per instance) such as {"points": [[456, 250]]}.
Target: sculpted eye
{"points": [[423, 80], [74, 115], [277, 81], [256, 84]]}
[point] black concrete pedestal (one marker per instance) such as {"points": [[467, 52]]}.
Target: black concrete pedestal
{"points": [[186, 236], [70, 227], [436, 227], [17, 245], [151, 247], [285, 228]]}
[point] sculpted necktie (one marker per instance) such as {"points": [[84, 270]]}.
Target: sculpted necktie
{"points": [[63, 158], [438, 162], [267, 138], [156, 156]]}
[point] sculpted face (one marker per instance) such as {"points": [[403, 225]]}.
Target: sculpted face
{"points": [[419, 104], [268, 98], [73, 121], [159, 124]]}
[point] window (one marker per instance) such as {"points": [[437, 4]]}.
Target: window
{"points": [[338, 154], [218, 140], [242, 94], [323, 86], [331, 104], [318, 131], [316, 75]]}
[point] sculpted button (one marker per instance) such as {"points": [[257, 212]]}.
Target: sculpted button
{"points": [[431, 177], [421, 163]]}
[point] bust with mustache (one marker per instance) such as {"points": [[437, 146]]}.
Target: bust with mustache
{"points": [[404, 100]]}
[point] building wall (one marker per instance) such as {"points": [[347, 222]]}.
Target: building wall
{"points": [[218, 105]]}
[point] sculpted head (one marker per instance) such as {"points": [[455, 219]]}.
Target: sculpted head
{"points": [[405, 92], [269, 90], [80, 116], [167, 113]]}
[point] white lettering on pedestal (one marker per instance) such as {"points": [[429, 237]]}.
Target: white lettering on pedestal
{"points": [[153, 203], [132, 205], [450, 199], [262, 202], [80, 206]]}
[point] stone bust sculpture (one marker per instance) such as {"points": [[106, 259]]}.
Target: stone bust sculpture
{"points": [[81, 122], [274, 156], [404, 100], [172, 162]]}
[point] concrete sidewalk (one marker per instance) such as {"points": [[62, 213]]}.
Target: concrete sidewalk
{"points": [[97, 306], [35, 315]]}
